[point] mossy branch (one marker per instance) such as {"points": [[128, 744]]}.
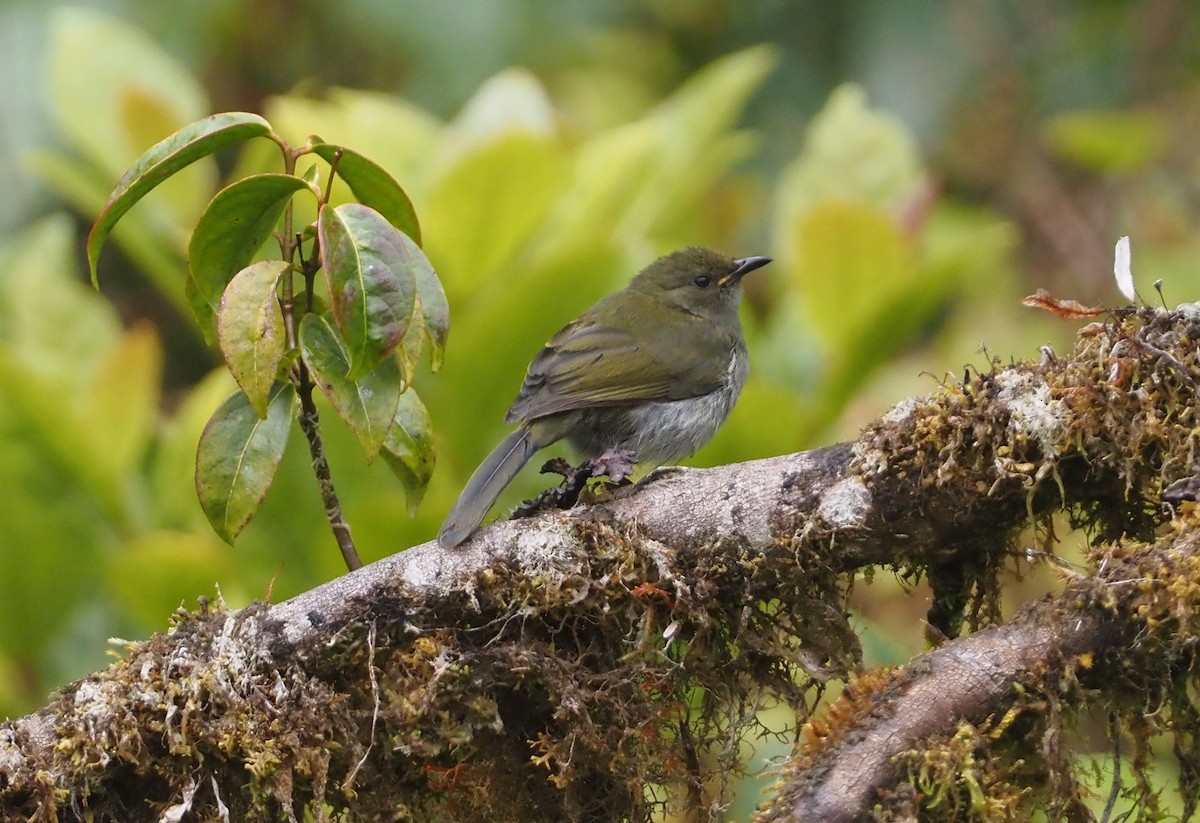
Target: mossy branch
{"points": [[592, 664]]}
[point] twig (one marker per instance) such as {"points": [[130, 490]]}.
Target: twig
{"points": [[310, 425]]}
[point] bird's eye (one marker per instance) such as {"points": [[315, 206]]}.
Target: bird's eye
{"points": [[703, 281]]}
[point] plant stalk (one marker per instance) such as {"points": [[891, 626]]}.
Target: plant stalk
{"points": [[310, 425]]}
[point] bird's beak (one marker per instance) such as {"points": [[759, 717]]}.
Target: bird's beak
{"points": [[743, 267]]}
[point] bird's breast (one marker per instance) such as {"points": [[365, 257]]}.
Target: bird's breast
{"points": [[664, 432]]}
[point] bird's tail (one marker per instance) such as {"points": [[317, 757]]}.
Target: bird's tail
{"points": [[489, 480]]}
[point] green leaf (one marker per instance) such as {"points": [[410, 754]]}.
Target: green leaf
{"points": [[851, 258], [233, 228], [171, 470], [163, 159], [696, 144], [53, 324], [204, 314], [409, 352], [373, 187], [513, 99], [1108, 141], [408, 448], [121, 403], [250, 330], [433, 309], [712, 99], [851, 152], [610, 172], [487, 206], [238, 456], [368, 404], [371, 282]]}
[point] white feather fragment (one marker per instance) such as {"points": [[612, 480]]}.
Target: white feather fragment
{"points": [[1123, 270]]}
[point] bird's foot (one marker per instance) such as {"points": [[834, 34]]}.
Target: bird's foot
{"points": [[615, 464]]}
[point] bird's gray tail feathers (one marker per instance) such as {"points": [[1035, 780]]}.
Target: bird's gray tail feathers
{"points": [[489, 480]]}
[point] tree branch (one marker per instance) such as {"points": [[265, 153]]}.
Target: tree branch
{"points": [[544, 669]]}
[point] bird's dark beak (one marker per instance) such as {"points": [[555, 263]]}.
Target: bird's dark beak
{"points": [[743, 267]]}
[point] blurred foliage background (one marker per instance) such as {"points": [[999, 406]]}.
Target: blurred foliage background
{"points": [[914, 169]]}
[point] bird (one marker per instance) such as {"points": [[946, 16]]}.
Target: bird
{"points": [[653, 370]]}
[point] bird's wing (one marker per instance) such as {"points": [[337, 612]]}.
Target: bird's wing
{"points": [[577, 368]]}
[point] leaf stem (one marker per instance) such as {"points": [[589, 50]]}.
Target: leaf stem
{"points": [[309, 269], [333, 164], [288, 245], [291, 245], [310, 425]]}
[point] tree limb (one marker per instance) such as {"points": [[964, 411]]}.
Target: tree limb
{"points": [[559, 665]]}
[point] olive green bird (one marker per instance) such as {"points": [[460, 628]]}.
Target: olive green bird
{"points": [[653, 369]]}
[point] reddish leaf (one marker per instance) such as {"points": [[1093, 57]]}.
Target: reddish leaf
{"points": [[1071, 309], [371, 282]]}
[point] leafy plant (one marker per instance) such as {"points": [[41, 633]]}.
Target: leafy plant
{"points": [[280, 341], [530, 218]]}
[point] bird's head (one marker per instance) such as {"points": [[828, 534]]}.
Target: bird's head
{"points": [[699, 280]]}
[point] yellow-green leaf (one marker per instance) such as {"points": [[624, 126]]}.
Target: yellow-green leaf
{"points": [[1108, 141], [121, 401], [850, 259], [489, 203], [408, 448], [250, 330], [112, 91], [851, 152]]}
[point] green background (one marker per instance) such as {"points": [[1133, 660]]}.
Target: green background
{"points": [[913, 168]]}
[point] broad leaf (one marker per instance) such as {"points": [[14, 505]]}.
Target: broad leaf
{"points": [[373, 187], [121, 401], [408, 448], [432, 308], [233, 228], [53, 325], [238, 456], [368, 404], [486, 207], [408, 353], [371, 282], [250, 330], [851, 258], [1105, 142], [163, 159], [851, 152], [512, 100], [696, 144]]}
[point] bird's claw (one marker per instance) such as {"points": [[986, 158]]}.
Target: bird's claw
{"points": [[615, 464]]}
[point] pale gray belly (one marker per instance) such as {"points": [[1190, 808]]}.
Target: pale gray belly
{"points": [[664, 432]]}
